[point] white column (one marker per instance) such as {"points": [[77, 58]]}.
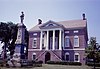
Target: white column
{"points": [[59, 39], [53, 40], [47, 40], [63, 39], [41, 40]]}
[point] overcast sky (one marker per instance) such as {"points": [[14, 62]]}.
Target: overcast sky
{"points": [[56, 10]]}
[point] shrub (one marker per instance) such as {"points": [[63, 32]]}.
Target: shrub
{"points": [[63, 63], [92, 64]]}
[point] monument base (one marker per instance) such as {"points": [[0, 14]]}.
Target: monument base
{"points": [[19, 54]]}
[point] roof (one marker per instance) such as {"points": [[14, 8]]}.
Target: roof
{"points": [[67, 24]]}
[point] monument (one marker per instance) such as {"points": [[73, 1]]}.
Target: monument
{"points": [[20, 41]]}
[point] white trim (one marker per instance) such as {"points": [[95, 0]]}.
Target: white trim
{"points": [[34, 50], [41, 36], [78, 57], [76, 31], [47, 40], [51, 29], [76, 49], [67, 37], [53, 40], [74, 40], [67, 32], [41, 50], [33, 43], [34, 33], [60, 39]]}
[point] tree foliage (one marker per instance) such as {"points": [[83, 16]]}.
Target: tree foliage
{"points": [[8, 35], [92, 51]]}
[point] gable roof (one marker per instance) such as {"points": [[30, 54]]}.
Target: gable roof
{"points": [[66, 24], [50, 24]]}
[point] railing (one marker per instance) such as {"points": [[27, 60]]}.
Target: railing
{"points": [[40, 55], [57, 56]]}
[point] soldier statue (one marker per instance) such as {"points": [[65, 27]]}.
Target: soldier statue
{"points": [[22, 17]]}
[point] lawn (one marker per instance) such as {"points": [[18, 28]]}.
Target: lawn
{"points": [[48, 66]]}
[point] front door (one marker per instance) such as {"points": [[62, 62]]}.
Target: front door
{"points": [[47, 57]]}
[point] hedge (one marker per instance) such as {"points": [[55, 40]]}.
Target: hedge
{"points": [[64, 63], [92, 64]]}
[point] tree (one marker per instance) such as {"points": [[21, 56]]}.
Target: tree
{"points": [[92, 51], [93, 48], [8, 35]]}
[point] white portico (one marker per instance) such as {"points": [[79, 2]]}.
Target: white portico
{"points": [[51, 39], [51, 36]]}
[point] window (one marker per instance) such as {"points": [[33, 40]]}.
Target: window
{"points": [[50, 25], [34, 56], [66, 41], [34, 42], [67, 56], [76, 41], [35, 34], [76, 57], [66, 31], [76, 31]]}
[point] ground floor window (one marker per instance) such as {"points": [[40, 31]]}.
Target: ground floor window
{"points": [[77, 57], [34, 56], [67, 56]]}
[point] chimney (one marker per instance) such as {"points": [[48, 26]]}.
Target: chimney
{"points": [[39, 21], [83, 16]]}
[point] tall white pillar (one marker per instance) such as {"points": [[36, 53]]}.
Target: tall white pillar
{"points": [[47, 40], [41, 40], [53, 40], [63, 39], [59, 39]]}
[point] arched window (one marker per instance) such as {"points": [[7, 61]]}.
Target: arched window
{"points": [[67, 41], [67, 56], [76, 41], [77, 57], [34, 56]]}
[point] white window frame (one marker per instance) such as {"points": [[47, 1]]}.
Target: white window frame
{"points": [[78, 57], [32, 56], [34, 33], [67, 37], [33, 43], [75, 41], [76, 31], [66, 31], [67, 54]]}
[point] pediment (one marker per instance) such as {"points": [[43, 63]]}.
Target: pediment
{"points": [[50, 24]]}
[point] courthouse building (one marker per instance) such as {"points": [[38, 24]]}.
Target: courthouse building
{"points": [[58, 41]]}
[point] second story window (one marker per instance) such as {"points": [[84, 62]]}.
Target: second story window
{"points": [[76, 41], [67, 41], [35, 34], [34, 42]]}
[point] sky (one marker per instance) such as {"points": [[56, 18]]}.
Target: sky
{"points": [[56, 10]]}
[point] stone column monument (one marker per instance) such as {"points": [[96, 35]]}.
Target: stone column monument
{"points": [[20, 41]]}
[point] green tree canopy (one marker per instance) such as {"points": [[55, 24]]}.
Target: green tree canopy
{"points": [[92, 50], [8, 35]]}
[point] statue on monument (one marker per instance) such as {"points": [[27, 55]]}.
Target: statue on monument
{"points": [[22, 17]]}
